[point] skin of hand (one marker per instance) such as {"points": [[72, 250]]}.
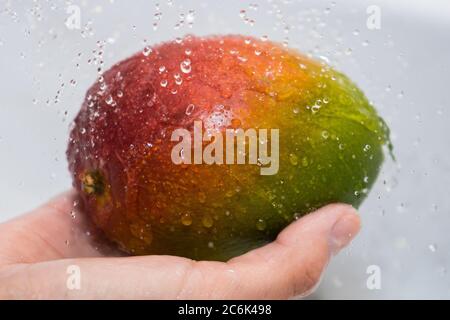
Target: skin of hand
{"points": [[37, 250]]}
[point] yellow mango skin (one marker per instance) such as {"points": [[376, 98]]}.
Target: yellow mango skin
{"points": [[331, 146]]}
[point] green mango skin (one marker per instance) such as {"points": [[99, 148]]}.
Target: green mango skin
{"points": [[330, 140]]}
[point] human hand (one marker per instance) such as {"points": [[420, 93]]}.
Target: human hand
{"points": [[36, 250]]}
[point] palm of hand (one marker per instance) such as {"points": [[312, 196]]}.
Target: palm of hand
{"points": [[37, 249]]}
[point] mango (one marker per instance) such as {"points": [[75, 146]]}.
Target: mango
{"points": [[149, 154]]}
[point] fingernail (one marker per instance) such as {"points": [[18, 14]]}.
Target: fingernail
{"points": [[343, 231]]}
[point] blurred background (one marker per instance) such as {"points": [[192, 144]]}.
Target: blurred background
{"points": [[398, 52]]}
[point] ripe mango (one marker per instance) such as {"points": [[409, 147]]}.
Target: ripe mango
{"points": [[330, 147]]}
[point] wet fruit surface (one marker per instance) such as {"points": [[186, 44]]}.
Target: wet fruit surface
{"points": [[330, 145]]}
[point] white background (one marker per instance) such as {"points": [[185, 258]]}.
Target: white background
{"points": [[404, 68]]}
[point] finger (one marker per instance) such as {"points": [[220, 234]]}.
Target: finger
{"points": [[149, 277], [289, 266]]}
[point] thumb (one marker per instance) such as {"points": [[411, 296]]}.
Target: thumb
{"points": [[293, 264], [331, 227]]}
